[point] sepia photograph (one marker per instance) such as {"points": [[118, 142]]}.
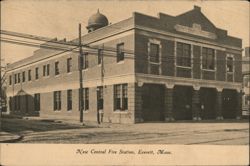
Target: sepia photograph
{"points": [[140, 81]]}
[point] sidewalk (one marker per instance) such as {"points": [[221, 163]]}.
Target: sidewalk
{"points": [[6, 137]]}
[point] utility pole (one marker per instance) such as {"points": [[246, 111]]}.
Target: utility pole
{"points": [[0, 77], [80, 75]]}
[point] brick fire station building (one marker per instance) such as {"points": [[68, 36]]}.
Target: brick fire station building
{"points": [[140, 69]]}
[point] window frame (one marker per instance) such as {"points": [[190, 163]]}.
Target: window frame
{"points": [[100, 56], [85, 99], [205, 55], [57, 101], [153, 64], [10, 79], [29, 75], [181, 53], [15, 78], [18, 77], [121, 97], [246, 81], [36, 73], [44, 70], [120, 54], [57, 70], [100, 99], [230, 73], [84, 61], [37, 102], [69, 65], [69, 99], [48, 69], [23, 76]]}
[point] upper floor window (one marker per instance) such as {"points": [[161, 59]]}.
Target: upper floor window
{"points": [[154, 57], [121, 97], [246, 81], [154, 53], [23, 76], [100, 56], [57, 72], [208, 58], [230, 64], [183, 54], [84, 61], [18, 77], [15, 80], [46, 70], [10, 80], [37, 73], [120, 52], [29, 75], [69, 65]]}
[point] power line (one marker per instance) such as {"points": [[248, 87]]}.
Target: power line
{"points": [[94, 50], [70, 43], [32, 44]]}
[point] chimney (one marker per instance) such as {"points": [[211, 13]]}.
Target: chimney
{"points": [[198, 8]]}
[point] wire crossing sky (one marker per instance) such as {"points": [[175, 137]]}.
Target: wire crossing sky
{"points": [[60, 19]]}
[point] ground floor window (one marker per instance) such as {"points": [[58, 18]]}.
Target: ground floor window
{"points": [[69, 100], [57, 100], [121, 97], [85, 98], [37, 101], [100, 98]]}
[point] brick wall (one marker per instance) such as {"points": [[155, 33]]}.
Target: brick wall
{"points": [[141, 52]]}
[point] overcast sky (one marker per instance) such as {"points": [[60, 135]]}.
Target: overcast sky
{"points": [[60, 18]]}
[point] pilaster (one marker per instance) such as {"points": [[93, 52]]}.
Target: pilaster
{"points": [[169, 104]]}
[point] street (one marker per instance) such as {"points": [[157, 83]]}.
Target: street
{"points": [[45, 131]]}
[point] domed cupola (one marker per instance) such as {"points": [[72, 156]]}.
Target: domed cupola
{"points": [[97, 21]]}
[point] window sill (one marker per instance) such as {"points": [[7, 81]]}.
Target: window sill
{"points": [[120, 111], [121, 62], [57, 110], [211, 70], [57, 75], [69, 72], [185, 67], [155, 63]]}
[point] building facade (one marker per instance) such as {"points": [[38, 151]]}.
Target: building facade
{"points": [[246, 83], [137, 70]]}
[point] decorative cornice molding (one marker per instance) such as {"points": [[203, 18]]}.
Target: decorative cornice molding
{"points": [[223, 46], [195, 30]]}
